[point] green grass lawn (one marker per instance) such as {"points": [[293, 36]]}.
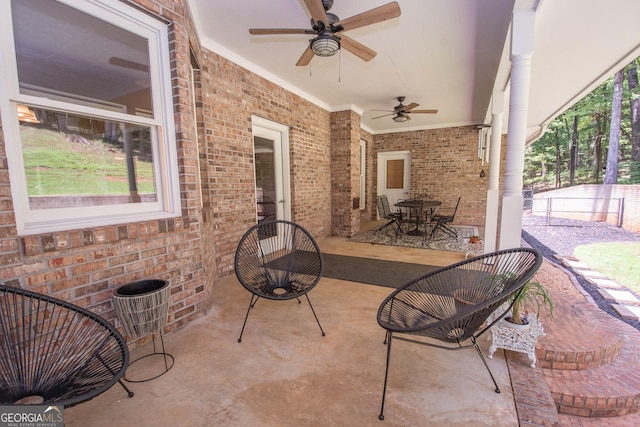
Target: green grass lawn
{"points": [[56, 166], [618, 260]]}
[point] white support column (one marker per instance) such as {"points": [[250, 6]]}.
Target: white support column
{"points": [[493, 195], [522, 40]]}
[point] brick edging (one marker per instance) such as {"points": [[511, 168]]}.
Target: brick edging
{"points": [[532, 397]]}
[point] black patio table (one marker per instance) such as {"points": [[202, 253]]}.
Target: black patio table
{"points": [[416, 212]]}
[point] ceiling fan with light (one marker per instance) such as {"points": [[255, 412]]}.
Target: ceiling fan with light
{"points": [[328, 29], [401, 112]]}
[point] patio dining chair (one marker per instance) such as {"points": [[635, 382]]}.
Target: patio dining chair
{"points": [[55, 353], [441, 221], [448, 308], [394, 219], [278, 260]]}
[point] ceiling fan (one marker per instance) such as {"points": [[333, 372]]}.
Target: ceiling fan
{"points": [[326, 26], [402, 111]]}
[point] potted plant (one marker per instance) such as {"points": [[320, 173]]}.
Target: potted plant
{"points": [[532, 299], [475, 239], [519, 329]]}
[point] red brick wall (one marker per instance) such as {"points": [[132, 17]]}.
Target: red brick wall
{"points": [[445, 164], [84, 266], [231, 95], [345, 164]]}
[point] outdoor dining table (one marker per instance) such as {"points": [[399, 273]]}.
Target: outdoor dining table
{"points": [[417, 209]]}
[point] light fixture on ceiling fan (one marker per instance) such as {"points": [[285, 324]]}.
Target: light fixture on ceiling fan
{"points": [[326, 27], [325, 45], [401, 118], [402, 112], [26, 114]]}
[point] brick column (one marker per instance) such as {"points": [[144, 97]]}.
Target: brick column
{"points": [[345, 173]]}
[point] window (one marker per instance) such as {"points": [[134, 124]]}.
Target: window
{"points": [[87, 114]]}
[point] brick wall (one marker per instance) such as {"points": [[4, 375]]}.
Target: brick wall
{"points": [[84, 266], [345, 164], [231, 95], [444, 164]]}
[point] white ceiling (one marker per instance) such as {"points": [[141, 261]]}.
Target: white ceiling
{"points": [[448, 55]]}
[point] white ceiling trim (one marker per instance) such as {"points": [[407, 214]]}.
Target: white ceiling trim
{"points": [[415, 128]]}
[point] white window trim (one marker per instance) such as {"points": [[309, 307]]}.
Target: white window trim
{"points": [[31, 222]]}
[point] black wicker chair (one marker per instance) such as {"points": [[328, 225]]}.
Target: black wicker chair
{"points": [[451, 305], [278, 260], [53, 352]]}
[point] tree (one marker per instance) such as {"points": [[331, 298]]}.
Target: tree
{"points": [[558, 178], [611, 174], [576, 144], [597, 148], [573, 152], [632, 82]]}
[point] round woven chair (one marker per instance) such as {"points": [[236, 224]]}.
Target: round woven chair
{"points": [[448, 308], [53, 352], [278, 260]]}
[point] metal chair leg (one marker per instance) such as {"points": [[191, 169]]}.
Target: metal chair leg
{"points": [[450, 231], [388, 340], [475, 344], [394, 222], [251, 304], [129, 392], [314, 314]]}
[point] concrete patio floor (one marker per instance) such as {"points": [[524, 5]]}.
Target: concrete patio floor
{"points": [[284, 373]]}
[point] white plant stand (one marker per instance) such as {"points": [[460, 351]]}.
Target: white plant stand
{"points": [[520, 338]]}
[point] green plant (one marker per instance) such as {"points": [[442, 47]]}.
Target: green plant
{"points": [[533, 298]]}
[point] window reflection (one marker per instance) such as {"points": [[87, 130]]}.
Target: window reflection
{"points": [[265, 179], [74, 160], [65, 54]]}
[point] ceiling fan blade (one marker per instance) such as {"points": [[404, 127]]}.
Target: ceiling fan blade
{"points": [[357, 48], [409, 107], [373, 16], [384, 115], [387, 111], [121, 62], [306, 57], [423, 111], [317, 11], [271, 31]]}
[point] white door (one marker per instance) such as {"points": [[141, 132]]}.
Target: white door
{"points": [[271, 165], [394, 175]]}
